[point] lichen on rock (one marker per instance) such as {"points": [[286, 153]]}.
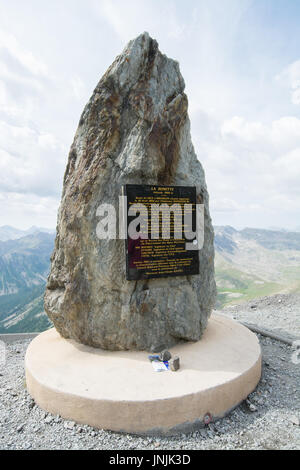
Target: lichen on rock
{"points": [[135, 129]]}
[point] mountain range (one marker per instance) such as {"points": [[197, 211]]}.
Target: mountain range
{"points": [[24, 266], [249, 263], [252, 263], [11, 233]]}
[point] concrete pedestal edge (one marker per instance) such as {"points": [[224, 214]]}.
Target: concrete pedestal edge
{"points": [[163, 416]]}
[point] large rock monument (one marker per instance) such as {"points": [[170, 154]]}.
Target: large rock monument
{"points": [[134, 136], [135, 129]]}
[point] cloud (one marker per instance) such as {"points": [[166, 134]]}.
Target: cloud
{"points": [[226, 204], [291, 77], [27, 159], [23, 77], [130, 18], [30, 158], [282, 135], [252, 168], [245, 126], [78, 87], [20, 58], [24, 210]]}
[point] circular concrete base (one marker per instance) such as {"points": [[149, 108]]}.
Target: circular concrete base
{"points": [[120, 390]]}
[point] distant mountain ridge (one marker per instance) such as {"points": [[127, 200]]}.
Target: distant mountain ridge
{"points": [[270, 239], [11, 233]]}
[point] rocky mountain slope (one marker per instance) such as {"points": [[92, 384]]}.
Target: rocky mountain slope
{"points": [[24, 266], [278, 313], [252, 263], [24, 262]]}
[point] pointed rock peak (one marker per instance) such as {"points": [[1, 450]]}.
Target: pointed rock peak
{"points": [[143, 41]]}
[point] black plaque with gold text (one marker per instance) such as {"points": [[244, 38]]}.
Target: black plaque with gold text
{"points": [[153, 255]]}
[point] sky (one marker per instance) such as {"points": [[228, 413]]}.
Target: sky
{"points": [[240, 60]]}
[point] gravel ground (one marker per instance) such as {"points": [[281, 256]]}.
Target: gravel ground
{"points": [[269, 419], [279, 313]]}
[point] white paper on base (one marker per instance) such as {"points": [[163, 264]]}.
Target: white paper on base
{"points": [[159, 366]]}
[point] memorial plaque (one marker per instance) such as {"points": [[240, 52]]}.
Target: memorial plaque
{"points": [[154, 253]]}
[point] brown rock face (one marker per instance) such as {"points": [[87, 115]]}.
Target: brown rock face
{"points": [[135, 129]]}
